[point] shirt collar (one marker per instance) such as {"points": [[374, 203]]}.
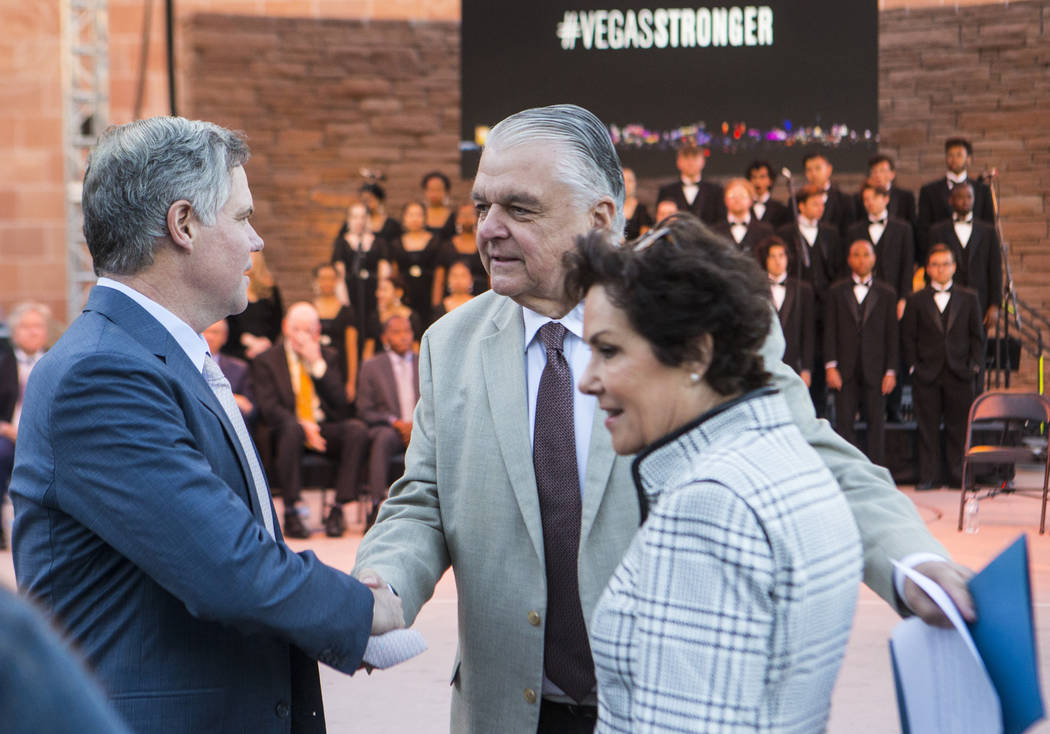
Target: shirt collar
{"points": [[881, 218], [25, 358], [941, 289], [779, 280], [764, 199], [804, 222], [573, 321], [192, 343], [956, 179], [967, 218], [687, 182], [857, 280], [745, 221]]}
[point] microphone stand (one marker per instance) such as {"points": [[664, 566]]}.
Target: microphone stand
{"points": [[1009, 293]]}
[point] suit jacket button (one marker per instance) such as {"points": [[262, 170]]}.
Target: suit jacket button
{"points": [[534, 618], [530, 695], [282, 709]]}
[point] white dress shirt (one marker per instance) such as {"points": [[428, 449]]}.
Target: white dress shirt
{"points": [[941, 295], [192, 343], [809, 229], [738, 227], [689, 189], [861, 287], [778, 290], [759, 205], [876, 226], [963, 227]]}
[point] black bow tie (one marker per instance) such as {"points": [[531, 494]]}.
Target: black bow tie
{"points": [[865, 283], [878, 221], [966, 219]]}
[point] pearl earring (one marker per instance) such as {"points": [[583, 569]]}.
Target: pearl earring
{"points": [[694, 377]]}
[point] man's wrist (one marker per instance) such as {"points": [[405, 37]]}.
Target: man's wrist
{"points": [[911, 561]]}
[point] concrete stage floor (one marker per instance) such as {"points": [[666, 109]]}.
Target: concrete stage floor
{"points": [[414, 697]]}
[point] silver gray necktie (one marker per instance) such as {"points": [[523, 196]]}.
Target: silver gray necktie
{"points": [[224, 393]]}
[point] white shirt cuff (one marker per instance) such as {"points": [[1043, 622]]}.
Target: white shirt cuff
{"points": [[911, 561]]}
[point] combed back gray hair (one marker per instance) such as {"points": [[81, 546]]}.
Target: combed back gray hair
{"points": [[590, 166], [137, 171], [21, 309]]}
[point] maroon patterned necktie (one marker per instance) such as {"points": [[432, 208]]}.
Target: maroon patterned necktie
{"points": [[566, 652]]}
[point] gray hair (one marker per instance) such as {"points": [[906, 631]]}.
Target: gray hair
{"points": [[21, 309], [590, 166], [137, 171]]}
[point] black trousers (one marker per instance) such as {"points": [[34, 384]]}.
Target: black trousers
{"points": [[947, 398], [847, 400], [346, 443], [560, 718]]}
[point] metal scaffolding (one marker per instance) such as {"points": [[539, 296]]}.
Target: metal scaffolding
{"points": [[85, 58]]}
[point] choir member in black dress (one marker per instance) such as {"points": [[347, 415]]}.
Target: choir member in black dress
{"points": [[459, 288], [465, 247], [338, 325], [255, 329], [418, 255], [389, 293], [381, 225], [360, 257], [440, 219], [638, 219]]}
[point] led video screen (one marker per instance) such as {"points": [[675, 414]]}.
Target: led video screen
{"points": [[771, 81]]}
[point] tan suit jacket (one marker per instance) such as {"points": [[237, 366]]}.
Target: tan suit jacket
{"points": [[468, 498]]}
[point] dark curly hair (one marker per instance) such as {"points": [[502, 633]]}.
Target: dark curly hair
{"points": [[676, 284]]}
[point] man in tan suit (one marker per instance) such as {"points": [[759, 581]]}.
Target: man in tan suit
{"points": [[470, 498]]}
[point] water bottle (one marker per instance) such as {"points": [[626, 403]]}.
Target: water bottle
{"points": [[971, 522]]}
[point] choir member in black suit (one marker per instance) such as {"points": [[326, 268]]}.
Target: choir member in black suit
{"points": [[976, 248], [637, 218], [691, 193], [861, 346], [838, 206], [821, 241], [882, 172], [765, 208], [942, 341], [793, 300], [818, 243], [892, 238], [739, 225], [933, 197]]}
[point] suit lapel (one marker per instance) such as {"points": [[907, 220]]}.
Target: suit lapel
{"points": [[149, 332], [600, 457], [952, 313], [507, 388], [869, 303], [789, 301]]}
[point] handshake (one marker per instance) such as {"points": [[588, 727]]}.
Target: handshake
{"points": [[387, 614]]}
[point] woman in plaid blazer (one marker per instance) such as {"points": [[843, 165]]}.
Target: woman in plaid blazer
{"points": [[731, 609]]}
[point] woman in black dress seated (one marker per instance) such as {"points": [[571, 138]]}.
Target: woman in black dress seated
{"points": [[360, 258], [338, 324], [255, 329], [418, 256], [440, 219]]}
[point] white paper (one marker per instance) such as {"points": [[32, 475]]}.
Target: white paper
{"points": [[396, 646], [943, 680]]}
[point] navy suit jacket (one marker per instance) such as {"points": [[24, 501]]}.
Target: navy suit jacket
{"points": [[136, 524]]}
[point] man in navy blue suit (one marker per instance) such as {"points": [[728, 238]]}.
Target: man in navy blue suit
{"points": [[142, 519]]}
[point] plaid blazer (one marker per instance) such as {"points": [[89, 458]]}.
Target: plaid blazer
{"points": [[731, 609]]}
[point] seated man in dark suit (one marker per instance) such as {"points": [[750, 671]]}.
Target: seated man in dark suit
{"points": [[933, 196], [861, 346], [892, 238], [236, 370], [943, 344], [975, 245], [691, 193], [739, 225], [765, 208], [388, 389], [793, 300], [838, 206], [882, 172], [301, 396]]}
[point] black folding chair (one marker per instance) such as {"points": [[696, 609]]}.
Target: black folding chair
{"points": [[1019, 425]]}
